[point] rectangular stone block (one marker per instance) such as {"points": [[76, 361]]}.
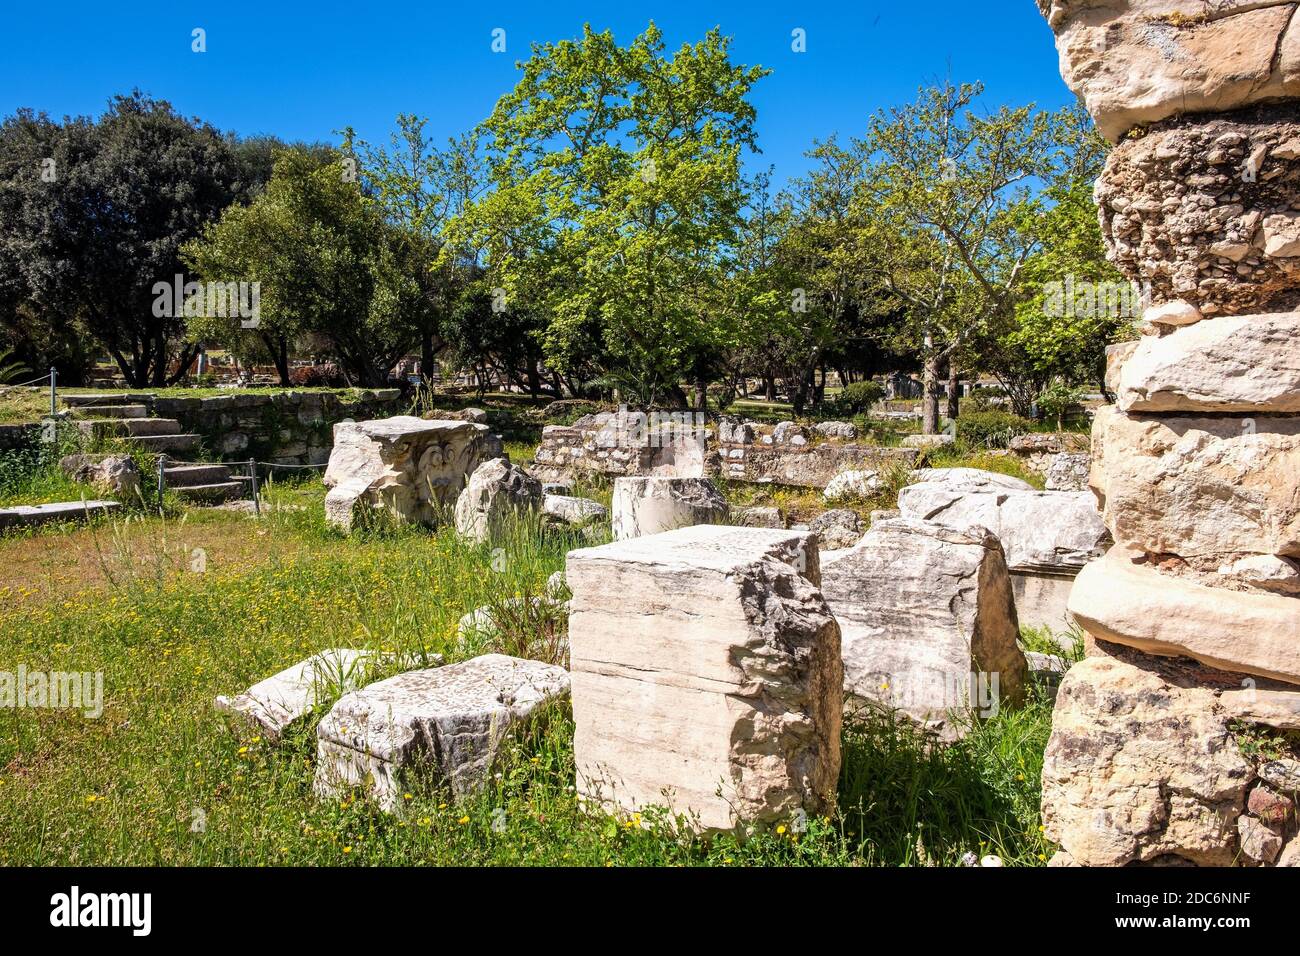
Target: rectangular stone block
{"points": [[706, 676]]}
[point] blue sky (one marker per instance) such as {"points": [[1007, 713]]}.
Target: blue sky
{"points": [[302, 71]]}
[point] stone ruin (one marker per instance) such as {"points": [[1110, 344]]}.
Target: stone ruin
{"points": [[412, 468], [686, 445], [1193, 617], [712, 685]]}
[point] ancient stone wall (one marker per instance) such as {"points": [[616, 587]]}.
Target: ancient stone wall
{"points": [[291, 428], [1193, 617]]}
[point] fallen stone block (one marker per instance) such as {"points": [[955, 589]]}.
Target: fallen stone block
{"points": [[928, 623], [838, 528], [572, 510], [443, 724], [856, 483], [1040, 530], [760, 517], [407, 466], [273, 704], [649, 505], [496, 491], [706, 676]]}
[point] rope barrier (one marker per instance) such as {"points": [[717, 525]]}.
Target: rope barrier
{"points": [[35, 381]]}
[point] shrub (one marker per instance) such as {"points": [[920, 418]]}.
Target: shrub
{"points": [[990, 429], [316, 376], [855, 399], [1059, 400]]}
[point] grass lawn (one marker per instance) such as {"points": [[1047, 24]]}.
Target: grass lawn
{"points": [[162, 778]]}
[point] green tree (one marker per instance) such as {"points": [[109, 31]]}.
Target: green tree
{"points": [[420, 188], [951, 213], [617, 188], [328, 266], [93, 214]]}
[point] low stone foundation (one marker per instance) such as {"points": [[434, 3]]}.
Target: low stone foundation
{"points": [[287, 428]]}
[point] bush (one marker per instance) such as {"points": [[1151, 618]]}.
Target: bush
{"points": [[990, 429], [316, 376], [855, 399]]}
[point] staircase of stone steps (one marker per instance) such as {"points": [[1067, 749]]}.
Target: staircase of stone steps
{"points": [[206, 483], [126, 419]]}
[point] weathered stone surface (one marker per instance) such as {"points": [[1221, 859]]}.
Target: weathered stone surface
{"points": [[928, 441], [853, 484], [789, 433], [1116, 356], [1203, 210], [445, 723], [971, 479], [1135, 62], [1270, 807], [1259, 844], [496, 491], [1243, 363], [1279, 709], [1199, 486], [1133, 604], [273, 704], [109, 475], [1068, 472], [626, 442], [760, 517], [706, 676], [838, 528], [845, 430], [1268, 572], [649, 505], [1173, 313], [1038, 529], [808, 465], [574, 510], [405, 465], [1138, 767], [733, 430], [926, 611], [1283, 775]]}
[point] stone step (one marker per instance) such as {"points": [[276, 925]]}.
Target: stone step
{"points": [[182, 476], [217, 491], [167, 443], [29, 515], [118, 398], [127, 427], [112, 411], [136, 427]]}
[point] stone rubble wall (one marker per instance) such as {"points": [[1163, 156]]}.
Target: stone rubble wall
{"points": [[288, 428], [1193, 617], [601, 444]]}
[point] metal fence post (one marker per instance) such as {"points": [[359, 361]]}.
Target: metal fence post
{"points": [[162, 479], [252, 473], [54, 388]]}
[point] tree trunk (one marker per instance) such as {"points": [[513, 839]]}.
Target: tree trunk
{"points": [[534, 379], [954, 392], [427, 353], [930, 396], [769, 387], [701, 395]]}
